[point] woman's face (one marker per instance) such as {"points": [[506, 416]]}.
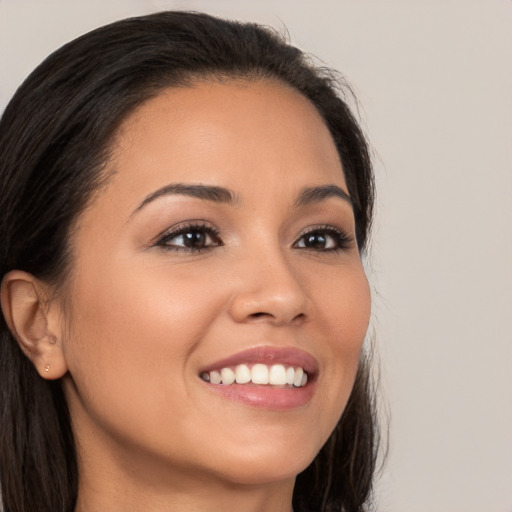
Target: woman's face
{"points": [[224, 239]]}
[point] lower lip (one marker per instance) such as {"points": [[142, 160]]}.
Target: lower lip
{"points": [[266, 397]]}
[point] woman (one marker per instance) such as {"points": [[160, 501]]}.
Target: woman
{"points": [[185, 202]]}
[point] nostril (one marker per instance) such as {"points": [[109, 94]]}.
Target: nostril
{"points": [[273, 318], [257, 315], [299, 319]]}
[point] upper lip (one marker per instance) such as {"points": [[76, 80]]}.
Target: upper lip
{"points": [[268, 355]]}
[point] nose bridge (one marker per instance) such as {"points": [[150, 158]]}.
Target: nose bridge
{"points": [[269, 288]]}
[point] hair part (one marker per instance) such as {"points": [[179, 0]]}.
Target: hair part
{"points": [[55, 139]]}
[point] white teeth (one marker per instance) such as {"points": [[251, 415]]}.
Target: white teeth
{"points": [[277, 375], [227, 376], [297, 381], [242, 374], [215, 377], [261, 374]]}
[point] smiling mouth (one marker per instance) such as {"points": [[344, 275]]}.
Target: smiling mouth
{"points": [[259, 374], [267, 377]]}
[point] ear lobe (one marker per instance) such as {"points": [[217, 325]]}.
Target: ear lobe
{"points": [[23, 300]]}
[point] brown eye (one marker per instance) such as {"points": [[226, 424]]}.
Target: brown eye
{"points": [[194, 239], [191, 238], [318, 241], [324, 239]]}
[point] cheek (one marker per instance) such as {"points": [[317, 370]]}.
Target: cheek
{"points": [[351, 313], [345, 308], [134, 306], [343, 304], [129, 339]]}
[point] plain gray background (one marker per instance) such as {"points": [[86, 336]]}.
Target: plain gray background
{"points": [[434, 82]]}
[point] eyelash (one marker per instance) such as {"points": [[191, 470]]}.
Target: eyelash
{"points": [[195, 227], [342, 241]]}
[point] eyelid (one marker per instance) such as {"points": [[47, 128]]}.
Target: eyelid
{"points": [[184, 227], [192, 223]]}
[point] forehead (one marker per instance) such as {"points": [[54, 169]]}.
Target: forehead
{"points": [[234, 131]]}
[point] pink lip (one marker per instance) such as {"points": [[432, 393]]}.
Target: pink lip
{"points": [[268, 397]]}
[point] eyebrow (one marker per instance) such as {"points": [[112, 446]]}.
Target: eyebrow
{"points": [[312, 195], [307, 196], [208, 192]]}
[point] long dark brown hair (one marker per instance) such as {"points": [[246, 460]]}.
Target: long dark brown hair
{"points": [[55, 137]]}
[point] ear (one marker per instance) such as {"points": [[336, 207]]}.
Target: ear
{"points": [[34, 322]]}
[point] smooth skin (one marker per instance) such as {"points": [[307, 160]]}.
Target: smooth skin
{"points": [[163, 284]]}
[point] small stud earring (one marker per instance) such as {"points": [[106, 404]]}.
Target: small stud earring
{"points": [[47, 368]]}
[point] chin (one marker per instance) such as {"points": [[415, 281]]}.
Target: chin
{"points": [[257, 469]]}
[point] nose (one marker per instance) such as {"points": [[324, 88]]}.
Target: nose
{"points": [[270, 290]]}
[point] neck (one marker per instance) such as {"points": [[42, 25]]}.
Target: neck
{"points": [[203, 495], [117, 484]]}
